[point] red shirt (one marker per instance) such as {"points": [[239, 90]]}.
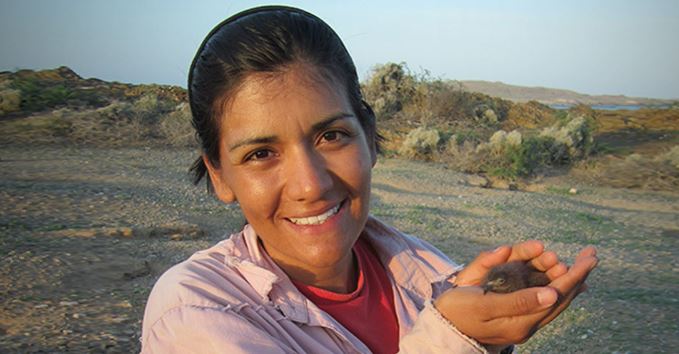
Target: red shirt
{"points": [[368, 312]]}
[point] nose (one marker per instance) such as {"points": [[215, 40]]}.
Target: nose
{"points": [[307, 175]]}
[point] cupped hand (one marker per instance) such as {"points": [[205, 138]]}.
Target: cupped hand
{"points": [[531, 251], [503, 319]]}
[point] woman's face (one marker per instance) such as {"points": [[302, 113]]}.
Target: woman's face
{"points": [[295, 157]]}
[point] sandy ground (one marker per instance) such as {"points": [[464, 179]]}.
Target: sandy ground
{"points": [[84, 234]]}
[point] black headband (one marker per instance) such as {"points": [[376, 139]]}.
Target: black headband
{"points": [[234, 18]]}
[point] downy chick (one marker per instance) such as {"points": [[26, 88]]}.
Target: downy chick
{"points": [[512, 276]]}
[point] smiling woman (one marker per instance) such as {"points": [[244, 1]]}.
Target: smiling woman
{"points": [[284, 132], [294, 155]]}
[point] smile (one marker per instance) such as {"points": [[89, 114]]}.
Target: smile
{"points": [[318, 219]]}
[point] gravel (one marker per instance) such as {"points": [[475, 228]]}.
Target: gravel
{"points": [[85, 232]]}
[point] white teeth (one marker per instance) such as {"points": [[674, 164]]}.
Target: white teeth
{"points": [[316, 220]]}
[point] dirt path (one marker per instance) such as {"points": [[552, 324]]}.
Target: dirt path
{"points": [[84, 233]]}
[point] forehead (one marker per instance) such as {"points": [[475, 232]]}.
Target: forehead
{"points": [[269, 85], [265, 101]]}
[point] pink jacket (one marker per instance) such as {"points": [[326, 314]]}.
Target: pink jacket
{"points": [[232, 298]]}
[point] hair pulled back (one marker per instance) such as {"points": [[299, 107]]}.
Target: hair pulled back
{"points": [[264, 39]]}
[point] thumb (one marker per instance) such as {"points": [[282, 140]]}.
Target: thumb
{"points": [[474, 273], [521, 302]]}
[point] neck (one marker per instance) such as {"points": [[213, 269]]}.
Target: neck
{"points": [[340, 278]]}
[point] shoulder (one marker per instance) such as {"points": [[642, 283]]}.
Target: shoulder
{"points": [[208, 280]]}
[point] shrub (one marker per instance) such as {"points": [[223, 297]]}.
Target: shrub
{"points": [[507, 155], [117, 124], [176, 129], [10, 101], [37, 95], [36, 129], [530, 115], [148, 109], [575, 136], [671, 157], [636, 171], [463, 157], [420, 143], [389, 88]]}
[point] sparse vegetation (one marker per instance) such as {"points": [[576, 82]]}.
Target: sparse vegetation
{"points": [[660, 172], [421, 143], [59, 107], [422, 117]]}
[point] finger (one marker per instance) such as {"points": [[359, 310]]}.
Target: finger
{"points": [[575, 275], [563, 303], [527, 250], [521, 302], [556, 271], [545, 261], [475, 271], [589, 251]]}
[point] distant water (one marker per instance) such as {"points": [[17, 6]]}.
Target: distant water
{"points": [[610, 107]]}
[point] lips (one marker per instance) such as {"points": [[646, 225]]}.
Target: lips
{"points": [[316, 219]]}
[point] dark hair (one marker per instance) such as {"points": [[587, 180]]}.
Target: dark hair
{"points": [[264, 39]]}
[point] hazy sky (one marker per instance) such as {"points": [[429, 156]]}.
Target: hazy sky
{"points": [[595, 47]]}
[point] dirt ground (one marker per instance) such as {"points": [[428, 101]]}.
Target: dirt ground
{"points": [[85, 232]]}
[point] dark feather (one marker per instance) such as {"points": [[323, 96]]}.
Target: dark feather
{"points": [[513, 276]]}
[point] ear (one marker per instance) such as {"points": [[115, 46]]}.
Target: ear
{"points": [[221, 189]]}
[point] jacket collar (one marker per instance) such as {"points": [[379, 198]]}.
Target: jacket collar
{"points": [[397, 252]]}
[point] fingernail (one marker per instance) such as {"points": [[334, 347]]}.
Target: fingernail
{"points": [[497, 249], [547, 297]]}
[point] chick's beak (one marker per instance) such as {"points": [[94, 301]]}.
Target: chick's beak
{"points": [[490, 285]]}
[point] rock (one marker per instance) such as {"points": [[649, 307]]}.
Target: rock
{"points": [[86, 233], [142, 271], [174, 231], [117, 231], [503, 184], [68, 303], [573, 191], [535, 187], [477, 181], [124, 304]]}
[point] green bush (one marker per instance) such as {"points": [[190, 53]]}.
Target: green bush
{"points": [[520, 160], [37, 95], [575, 135]]}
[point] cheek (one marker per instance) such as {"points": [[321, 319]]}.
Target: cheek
{"points": [[257, 197], [355, 170]]}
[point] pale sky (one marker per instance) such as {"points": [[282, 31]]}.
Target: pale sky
{"points": [[589, 46]]}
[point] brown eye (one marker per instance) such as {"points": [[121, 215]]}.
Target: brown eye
{"points": [[331, 135], [260, 155]]}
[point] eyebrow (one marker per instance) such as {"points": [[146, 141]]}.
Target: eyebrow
{"points": [[272, 138]]}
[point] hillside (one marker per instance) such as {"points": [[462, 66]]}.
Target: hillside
{"points": [[27, 91], [554, 96], [420, 117]]}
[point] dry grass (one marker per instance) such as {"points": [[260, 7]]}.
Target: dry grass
{"points": [[143, 122], [660, 172], [643, 119]]}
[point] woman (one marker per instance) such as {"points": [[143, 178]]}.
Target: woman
{"points": [[285, 133]]}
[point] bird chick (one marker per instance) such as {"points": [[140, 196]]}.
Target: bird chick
{"points": [[513, 276]]}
